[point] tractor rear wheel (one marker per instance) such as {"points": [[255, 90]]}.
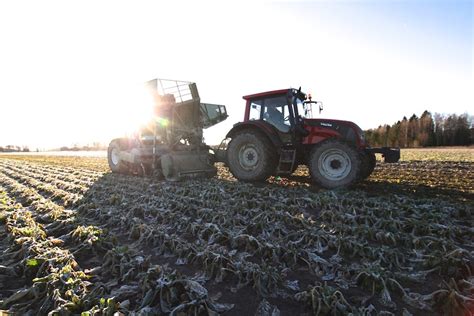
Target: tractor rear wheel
{"points": [[368, 162], [334, 164], [251, 156], [113, 157]]}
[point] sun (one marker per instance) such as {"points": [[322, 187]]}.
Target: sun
{"points": [[132, 108]]}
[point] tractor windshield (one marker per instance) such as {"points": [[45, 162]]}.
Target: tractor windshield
{"points": [[276, 112]]}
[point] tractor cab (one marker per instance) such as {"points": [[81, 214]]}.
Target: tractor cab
{"points": [[284, 109]]}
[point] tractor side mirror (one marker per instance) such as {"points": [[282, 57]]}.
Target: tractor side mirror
{"points": [[320, 106]]}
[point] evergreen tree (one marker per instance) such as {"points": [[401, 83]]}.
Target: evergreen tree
{"points": [[413, 131], [403, 133]]}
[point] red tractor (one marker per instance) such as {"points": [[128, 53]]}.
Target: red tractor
{"points": [[278, 134]]}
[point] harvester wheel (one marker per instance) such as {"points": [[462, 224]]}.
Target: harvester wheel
{"points": [[334, 164], [251, 157], [368, 162], [115, 164]]}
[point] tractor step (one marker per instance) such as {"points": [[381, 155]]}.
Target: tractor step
{"points": [[287, 161]]}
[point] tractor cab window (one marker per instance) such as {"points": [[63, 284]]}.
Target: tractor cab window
{"points": [[276, 113], [255, 110], [304, 110]]}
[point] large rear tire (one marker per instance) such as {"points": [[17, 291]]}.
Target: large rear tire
{"points": [[251, 157], [334, 164], [113, 157]]}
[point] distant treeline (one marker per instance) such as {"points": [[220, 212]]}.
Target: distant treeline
{"points": [[423, 131], [93, 147], [12, 148]]}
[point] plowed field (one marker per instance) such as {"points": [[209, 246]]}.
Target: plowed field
{"points": [[76, 239]]}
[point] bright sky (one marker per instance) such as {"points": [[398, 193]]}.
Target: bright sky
{"points": [[70, 70]]}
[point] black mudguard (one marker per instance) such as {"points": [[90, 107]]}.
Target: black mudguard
{"points": [[263, 127]]}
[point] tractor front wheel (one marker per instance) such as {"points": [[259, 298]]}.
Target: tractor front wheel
{"points": [[113, 156], [251, 156], [334, 164]]}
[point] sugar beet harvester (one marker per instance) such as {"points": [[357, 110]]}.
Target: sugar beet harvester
{"points": [[171, 145], [278, 133]]}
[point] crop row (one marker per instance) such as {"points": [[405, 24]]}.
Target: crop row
{"points": [[45, 242], [77, 177], [47, 178], [345, 244]]}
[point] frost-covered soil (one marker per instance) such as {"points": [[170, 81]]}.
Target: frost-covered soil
{"points": [[75, 239]]}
